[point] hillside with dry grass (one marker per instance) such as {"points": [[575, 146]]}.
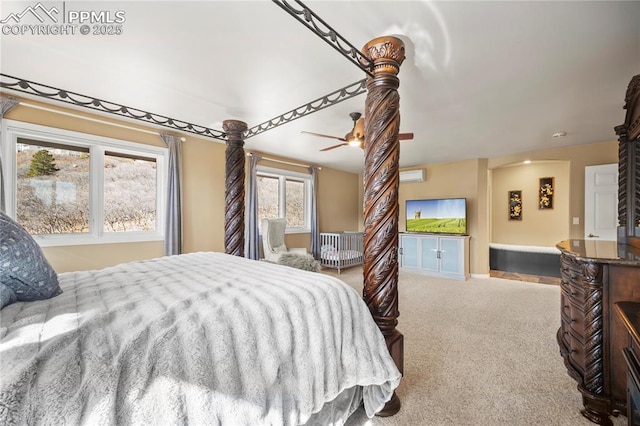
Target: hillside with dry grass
{"points": [[59, 203]]}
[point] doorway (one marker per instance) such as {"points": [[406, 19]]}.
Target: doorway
{"points": [[601, 202]]}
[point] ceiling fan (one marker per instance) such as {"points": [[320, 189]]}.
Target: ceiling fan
{"points": [[356, 136]]}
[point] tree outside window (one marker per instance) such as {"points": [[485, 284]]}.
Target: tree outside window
{"points": [[53, 188]]}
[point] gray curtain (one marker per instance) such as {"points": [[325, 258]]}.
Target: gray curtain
{"points": [[315, 229], [173, 216], [6, 105], [252, 234]]}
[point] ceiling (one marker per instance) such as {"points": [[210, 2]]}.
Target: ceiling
{"points": [[481, 79]]}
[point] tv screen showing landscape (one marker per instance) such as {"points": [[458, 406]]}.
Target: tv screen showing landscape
{"points": [[442, 216]]}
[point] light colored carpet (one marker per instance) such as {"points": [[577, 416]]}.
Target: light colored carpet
{"points": [[479, 352]]}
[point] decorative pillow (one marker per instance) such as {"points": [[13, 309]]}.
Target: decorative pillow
{"points": [[305, 262], [25, 274], [7, 296]]}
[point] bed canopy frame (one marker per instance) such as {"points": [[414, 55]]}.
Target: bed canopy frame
{"points": [[380, 60]]}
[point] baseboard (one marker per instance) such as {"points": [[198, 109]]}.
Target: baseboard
{"points": [[480, 276]]}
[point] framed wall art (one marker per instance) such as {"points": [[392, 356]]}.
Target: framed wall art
{"points": [[545, 200], [515, 205]]}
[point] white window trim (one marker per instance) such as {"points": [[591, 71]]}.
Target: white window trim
{"points": [[12, 130], [304, 177]]}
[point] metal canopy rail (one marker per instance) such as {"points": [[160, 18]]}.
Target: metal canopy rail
{"points": [[326, 101], [44, 91], [308, 18], [305, 15]]}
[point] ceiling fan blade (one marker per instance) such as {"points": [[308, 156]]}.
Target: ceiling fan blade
{"points": [[358, 128], [405, 136], [324, 136], [334, 146]]}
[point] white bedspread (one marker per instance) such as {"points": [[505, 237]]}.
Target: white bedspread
{"points": [[202, 338]]}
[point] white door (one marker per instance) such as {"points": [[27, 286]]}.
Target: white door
{"points": [[601, 202]]}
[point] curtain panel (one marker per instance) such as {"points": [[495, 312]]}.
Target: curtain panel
{"points": [[315, 228], [252, 234], [6, 105], [173, 213]]}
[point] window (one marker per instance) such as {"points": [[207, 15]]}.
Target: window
{"points": [[283, 193], [69, 188], [52, 182], [130, 184]]}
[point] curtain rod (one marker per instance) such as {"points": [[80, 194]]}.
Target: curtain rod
{"points": [[250, 154], [96, 120]]}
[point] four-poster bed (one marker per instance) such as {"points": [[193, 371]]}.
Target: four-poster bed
{"points": [[123, 344]]}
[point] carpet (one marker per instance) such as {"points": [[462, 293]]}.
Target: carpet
{"points": [[479, 352]]}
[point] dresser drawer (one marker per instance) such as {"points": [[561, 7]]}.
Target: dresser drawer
{"points": [[577, 293], [565, 306], [572, 314], [565, 335], [573, 290], [577, 320], [576, 354], [634, 347]]}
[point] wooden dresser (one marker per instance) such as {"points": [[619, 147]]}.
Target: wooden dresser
{"points": [[596, 275], [629, 313]]}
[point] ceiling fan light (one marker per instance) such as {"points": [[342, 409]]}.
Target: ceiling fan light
{"points": [[352, 140]]}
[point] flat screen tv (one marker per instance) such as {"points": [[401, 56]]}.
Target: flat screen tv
{"points": [[438, 216]]}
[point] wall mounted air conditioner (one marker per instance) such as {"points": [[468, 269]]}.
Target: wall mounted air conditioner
{"points": [[412, 176]]}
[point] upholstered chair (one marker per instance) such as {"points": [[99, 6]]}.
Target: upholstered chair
{"points": [[273, 240]]}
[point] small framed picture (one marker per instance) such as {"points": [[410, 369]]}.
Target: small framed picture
{"points": [[515, 205], [546, 188]]}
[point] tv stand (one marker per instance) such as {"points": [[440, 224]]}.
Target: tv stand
{"points": [[441, 255]]}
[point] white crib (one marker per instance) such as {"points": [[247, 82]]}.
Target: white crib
{"points": [[339, 250]]}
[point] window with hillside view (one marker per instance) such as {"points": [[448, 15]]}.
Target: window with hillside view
{"points": [[52, 194], [285, 194], [72, 188], [130, 199]]}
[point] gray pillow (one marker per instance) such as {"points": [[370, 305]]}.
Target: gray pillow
{"points": [[25, 274], [305, 262]]}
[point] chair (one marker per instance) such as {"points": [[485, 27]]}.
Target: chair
{"points": [[273, 240]]}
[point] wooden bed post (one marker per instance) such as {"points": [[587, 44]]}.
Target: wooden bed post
{"points": [[234, 187], [381, 181]]}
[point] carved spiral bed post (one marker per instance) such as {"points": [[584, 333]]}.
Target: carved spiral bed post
{"points": [[234, 187], [381, 180]]}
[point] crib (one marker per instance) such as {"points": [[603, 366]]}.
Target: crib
{"points": [[340, 250]]}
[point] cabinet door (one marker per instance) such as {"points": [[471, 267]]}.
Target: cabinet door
{"points": [[429, 254], [409, 246], [451, 256]]}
